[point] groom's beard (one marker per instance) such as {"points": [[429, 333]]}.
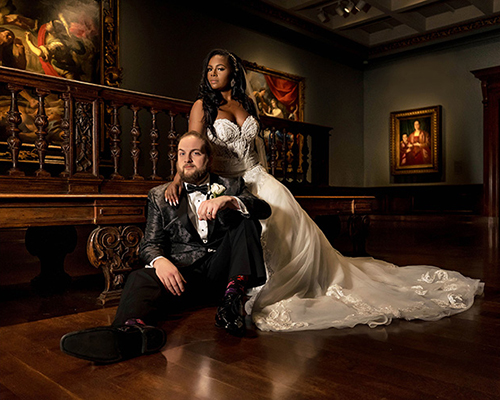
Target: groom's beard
{"points": [[192, 174]]}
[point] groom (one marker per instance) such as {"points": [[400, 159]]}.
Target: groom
{"points": [[203, 249]]}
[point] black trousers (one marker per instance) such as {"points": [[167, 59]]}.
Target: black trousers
{"points": [[240, 253]]}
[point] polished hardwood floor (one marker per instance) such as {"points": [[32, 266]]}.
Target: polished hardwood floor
{"points": [[454, 358]]}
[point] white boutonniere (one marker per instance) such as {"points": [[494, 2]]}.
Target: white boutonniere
{"points": [[216, 190]]}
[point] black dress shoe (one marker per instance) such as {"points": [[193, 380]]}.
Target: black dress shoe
{"points": [[229, 315], [107, 344]]}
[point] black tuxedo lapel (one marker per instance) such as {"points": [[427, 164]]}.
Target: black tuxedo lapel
{"points": [[212, 226], [183, 215]]}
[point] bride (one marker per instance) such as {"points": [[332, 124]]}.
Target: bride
{"points": [[310, 284]]}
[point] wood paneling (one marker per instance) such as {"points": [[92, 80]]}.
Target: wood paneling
{"points": [[490, 85]]}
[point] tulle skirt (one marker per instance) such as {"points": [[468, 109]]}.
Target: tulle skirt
{"points": [[312, 286]]}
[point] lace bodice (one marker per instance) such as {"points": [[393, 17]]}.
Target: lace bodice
{"points": [[233, 146]]}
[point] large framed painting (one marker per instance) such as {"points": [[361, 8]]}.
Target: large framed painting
{"points": [[415, 141], [72, 39], [278, 94]]}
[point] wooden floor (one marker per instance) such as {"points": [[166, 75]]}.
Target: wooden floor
{"points": [[455, 358]]}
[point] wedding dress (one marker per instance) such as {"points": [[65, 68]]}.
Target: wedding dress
{"points": [[310, 284]]}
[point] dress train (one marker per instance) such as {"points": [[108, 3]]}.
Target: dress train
{"points": [[310, 284]]}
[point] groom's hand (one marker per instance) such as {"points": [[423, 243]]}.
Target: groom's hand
{"points": [[208, 209], [170, 276]]}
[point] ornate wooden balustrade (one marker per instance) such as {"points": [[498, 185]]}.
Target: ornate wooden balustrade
{"points": [[72, 131], [297, 152], [62, 136], [75, 153]]}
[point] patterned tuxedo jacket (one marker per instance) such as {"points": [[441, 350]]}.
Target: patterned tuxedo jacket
{"points": [[170, 233]]}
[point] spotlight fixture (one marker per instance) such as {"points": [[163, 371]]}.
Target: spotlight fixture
{"points": [[348, 7], [323, 16], [360, 4], [345, 8]]}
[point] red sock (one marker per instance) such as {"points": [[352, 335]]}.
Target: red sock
{"points": [[237, 285], [134, 321]]}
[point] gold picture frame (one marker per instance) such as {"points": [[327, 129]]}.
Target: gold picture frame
{"points": [[278, 94], [88, 29], [415, 137]]}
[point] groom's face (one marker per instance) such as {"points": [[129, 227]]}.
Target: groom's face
{"points": [[192, 161]]}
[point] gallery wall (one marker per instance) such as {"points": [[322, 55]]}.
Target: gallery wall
{"points": [[432, 78], [162, 46]]}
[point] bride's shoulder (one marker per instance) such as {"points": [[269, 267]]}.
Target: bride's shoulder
{"points": [[196, 113], [197, 106]]}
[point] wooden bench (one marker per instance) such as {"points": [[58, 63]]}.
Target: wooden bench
{"points": [[113, 244]]}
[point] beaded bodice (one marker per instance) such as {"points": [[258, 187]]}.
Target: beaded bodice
{"points": [[234, 146]]}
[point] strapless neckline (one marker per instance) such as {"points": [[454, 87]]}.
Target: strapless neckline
{"points": [[249, 118]]}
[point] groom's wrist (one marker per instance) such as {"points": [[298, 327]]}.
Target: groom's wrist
{"points": [[151, 264]]}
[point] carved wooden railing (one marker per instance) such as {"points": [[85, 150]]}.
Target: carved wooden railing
{"points": [[74, 133], [297, 152], [86, 118]]}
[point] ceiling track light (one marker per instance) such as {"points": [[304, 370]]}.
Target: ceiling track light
{"points": [[323, 16], [345, 8], [348, 7], [360, 5]]}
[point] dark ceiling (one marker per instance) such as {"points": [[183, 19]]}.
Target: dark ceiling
{"points": [[360, 32]]}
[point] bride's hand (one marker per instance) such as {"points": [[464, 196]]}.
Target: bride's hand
{"points": [[173, 192]]}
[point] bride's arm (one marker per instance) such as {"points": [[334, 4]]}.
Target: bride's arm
{"points": [[196, 117], [196, 123]]}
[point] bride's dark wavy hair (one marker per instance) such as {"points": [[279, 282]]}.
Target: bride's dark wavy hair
{"points": [[212, 99]]}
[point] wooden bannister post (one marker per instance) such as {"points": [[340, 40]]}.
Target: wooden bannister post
{"points": [[284, 154], [14, 119], [272, 148], [305, 156], [83, 139], [41, 122], [114, 134], [66, 145], [135, 150], [154, 134], [295, 148], [172, 153]]}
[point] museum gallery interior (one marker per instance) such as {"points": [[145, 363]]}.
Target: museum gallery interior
{"points": [[380, 117]]}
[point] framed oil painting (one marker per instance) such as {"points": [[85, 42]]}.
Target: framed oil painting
{"points": [[72, 39], [415, 141], [278, 94]]}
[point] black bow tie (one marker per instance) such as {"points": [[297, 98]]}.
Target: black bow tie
{"points": [[194, 188]]}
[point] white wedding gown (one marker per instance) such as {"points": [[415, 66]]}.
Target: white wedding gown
{"points": [[310, 284]]}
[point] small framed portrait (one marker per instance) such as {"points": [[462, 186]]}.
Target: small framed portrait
{"points": [[415, 141], [278, 94]]}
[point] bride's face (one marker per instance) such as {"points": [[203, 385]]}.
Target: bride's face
{"points": [[219, 73]]}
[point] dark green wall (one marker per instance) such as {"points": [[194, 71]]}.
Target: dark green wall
{"points": [[163, 43]]}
